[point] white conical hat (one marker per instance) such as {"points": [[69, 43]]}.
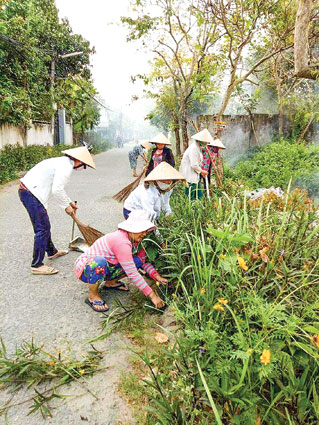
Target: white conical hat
{"points": [[82, 154], [160, 138], [145, 144], [218, 143], [203, 136], [164, 171]]}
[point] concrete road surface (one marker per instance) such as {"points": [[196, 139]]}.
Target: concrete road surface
{"points": [[50, 309]]}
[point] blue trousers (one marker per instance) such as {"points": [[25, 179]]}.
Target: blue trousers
{"points": [[98, 270], [126, 213], [41, 226]]}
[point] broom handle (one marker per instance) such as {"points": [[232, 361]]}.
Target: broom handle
{"points": [[207, 188], [73, 224]]}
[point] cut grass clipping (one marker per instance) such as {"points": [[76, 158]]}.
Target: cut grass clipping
{"points": [[31, 366]]}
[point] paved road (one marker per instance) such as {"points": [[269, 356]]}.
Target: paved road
{"points": [[51, 309]]}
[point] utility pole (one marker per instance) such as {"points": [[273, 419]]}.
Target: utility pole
{"points": [[52, 79]]}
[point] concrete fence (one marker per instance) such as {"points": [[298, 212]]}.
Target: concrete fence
{"points": [[243, 133], [39, 133]]}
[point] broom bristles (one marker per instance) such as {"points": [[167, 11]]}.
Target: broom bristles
{"points": [[125, 192], [89, 233]]}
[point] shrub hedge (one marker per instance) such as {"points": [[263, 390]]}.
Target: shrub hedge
{"points": [[16, 158], [278, 162]]}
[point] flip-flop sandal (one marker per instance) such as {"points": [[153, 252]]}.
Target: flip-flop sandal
{"points": [[117, 288], [58, 254], [45, 270], [96, 302]]}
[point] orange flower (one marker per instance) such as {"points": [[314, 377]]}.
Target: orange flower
{"points": [[315, 340], [203, 291], [222, 300], [218, 307], [265, 357], [242, 263], [51, 363]]}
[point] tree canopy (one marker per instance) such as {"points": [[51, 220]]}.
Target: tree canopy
{"points": [[31, 37]]}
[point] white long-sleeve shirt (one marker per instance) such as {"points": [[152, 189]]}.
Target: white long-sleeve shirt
{"points": [[190, 165], [149, 200], [49, 177]]}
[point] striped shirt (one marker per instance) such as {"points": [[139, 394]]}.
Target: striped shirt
{"points": [[116, 248]]}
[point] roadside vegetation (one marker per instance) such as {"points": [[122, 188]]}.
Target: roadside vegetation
{"points": [[245, 279], [278, 162], [16, 159]]}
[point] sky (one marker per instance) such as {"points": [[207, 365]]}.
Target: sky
{"points": [[115, 60]]}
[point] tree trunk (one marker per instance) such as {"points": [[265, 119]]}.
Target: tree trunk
{"points": [[302, 134], [228, 93], [178, 141], [184, 129], [177, 135], [301, 43]]}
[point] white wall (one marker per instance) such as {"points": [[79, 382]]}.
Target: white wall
{"points": [[37, 134]]}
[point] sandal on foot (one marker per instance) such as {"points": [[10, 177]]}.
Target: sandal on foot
{"points": [[92, 304], [117, 287], [44, 270], [58, 254]]}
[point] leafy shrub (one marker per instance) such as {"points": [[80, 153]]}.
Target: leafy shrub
{"points": [[278, 162], [16, 158], [245, 297]]}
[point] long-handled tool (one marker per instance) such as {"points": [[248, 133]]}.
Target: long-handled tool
{"points": [[78, 243], [207, 187]]}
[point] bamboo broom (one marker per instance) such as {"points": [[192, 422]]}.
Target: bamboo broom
{"points": [[89, 233], [124, 193]]}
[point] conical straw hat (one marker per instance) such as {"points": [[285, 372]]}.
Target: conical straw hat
{"points": [[203, 136], [145, 144], [82, 154], [218, 143], [160, 138], [164, 171]]}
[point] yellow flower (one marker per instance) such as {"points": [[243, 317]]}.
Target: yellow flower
{"points": [[222, 256], [157, 283], [222, 300], [81, 371], [199, 257], [279, 276], [203, 291], [242, 263], [265, 357], [218, 307], [315, 340], [250, 351], [174, 295]]}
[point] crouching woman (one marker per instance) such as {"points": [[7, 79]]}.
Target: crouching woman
{"points": [[115, 255]]}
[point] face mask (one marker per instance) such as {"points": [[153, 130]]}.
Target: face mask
{"points": [[80, 167], [163, 186]]}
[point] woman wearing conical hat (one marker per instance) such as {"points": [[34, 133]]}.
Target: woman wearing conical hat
{"points": [[148, 196], [160, 153], [138, 150], [191, 164], [210, 154], [49, 177]]}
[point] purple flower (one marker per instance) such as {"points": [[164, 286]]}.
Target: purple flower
{"points": [[282, 252], [202, 350]]}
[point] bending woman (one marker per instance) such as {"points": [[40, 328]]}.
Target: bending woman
{"points": [[149, 196], [115, 255], [137, 151]]}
